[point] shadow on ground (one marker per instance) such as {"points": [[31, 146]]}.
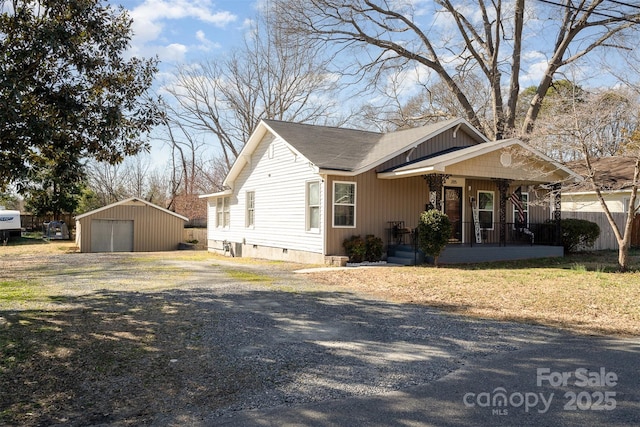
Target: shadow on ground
{"points": [[175, 356]]}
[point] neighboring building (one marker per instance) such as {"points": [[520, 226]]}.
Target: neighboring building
{"points": [[131, 225], [613, 174], [297, 191], [615, 177]]}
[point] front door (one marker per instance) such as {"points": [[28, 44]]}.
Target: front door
{"points": [[453, 209]]}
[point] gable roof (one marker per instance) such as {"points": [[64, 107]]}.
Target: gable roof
{"points": [[326, 147], [439, 161], [351, 150], [613, 173], [348, 151], [130, 201]]}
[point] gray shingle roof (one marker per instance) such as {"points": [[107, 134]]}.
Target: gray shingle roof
{"points": [[325, 146], [349, 149], [612, 173]]}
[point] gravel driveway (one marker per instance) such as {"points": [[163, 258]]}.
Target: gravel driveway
{"points": [[165, 341]]}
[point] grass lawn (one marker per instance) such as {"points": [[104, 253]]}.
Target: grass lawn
{"points": [[581, 292], [78, 329]]}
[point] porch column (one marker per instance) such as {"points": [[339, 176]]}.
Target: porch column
{"points": [[556, 190], [503, 187], [436, 184]]}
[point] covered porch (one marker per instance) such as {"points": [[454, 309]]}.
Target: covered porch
{"points": [[502, 199], [402, 249]]}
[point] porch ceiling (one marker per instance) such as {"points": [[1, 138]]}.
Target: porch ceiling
{"points": [[506, 159]]}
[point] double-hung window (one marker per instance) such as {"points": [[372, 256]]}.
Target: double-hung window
{"points": [[251, 209], [223, 212], [486, 205], [313, 206], [344, 204]]}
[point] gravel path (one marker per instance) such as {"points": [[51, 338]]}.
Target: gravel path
{"points": [[202, 345]]}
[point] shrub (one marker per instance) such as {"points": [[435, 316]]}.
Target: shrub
{"points": [[358, 249], [578, 233], [434, 232], [374, 248], [355, 248]]}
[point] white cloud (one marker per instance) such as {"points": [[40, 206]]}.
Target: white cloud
{"points": [[174, 52], [202, 10], [151, 22], [534, 65], [205, 44]]}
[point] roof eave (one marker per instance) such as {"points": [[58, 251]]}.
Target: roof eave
{"points": [[411, 172], [125, 201], [218, 194], [455, 124]]}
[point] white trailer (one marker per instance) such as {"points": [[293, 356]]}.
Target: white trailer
{"points": [[10, 224]]}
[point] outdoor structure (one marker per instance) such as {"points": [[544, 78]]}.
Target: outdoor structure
{"points": [[131, 225], [55, 230], [580, 201], [10, 225], [297, 191]]}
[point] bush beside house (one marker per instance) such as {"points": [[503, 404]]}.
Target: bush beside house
{"points": [[368, 249], [578, 234], [434, 232]]}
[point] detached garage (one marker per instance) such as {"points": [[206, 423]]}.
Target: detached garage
{"points": [[131, 225]]}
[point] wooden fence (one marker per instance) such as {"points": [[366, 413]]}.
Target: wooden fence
{"points": [[607, 239], [34, 223], [193, 234]]}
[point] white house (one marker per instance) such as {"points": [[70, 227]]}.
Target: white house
{"points": [[297, 191]]}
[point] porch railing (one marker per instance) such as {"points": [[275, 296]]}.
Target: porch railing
{"points": [[515, 234]]}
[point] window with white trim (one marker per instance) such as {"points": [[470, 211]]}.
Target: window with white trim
{"points": [[223, 212], [344, 204], [313, 206], [251, 209], [486, 205]]}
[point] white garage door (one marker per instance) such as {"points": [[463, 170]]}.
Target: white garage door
{"points": [[110, 235]]}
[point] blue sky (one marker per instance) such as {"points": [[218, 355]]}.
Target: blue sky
{"points": [[186, 31], [182, 31]]}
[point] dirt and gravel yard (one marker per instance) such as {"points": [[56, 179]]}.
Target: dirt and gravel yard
{"points": [[186, 337]]}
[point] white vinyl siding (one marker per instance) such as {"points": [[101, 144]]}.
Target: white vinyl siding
{"points": [[280, 210]]}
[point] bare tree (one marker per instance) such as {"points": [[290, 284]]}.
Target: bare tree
{"points": [[484, 38], [269, 77], [432, 103], [134, 177], [602, 125], [107, 181]]}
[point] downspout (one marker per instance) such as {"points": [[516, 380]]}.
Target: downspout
{"points": [[325, 216]]}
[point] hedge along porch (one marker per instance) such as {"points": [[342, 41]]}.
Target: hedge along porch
{"points": [[297, 191], [131, 225]]}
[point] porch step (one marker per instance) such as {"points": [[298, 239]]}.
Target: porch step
{"points": [[404, 255]]}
